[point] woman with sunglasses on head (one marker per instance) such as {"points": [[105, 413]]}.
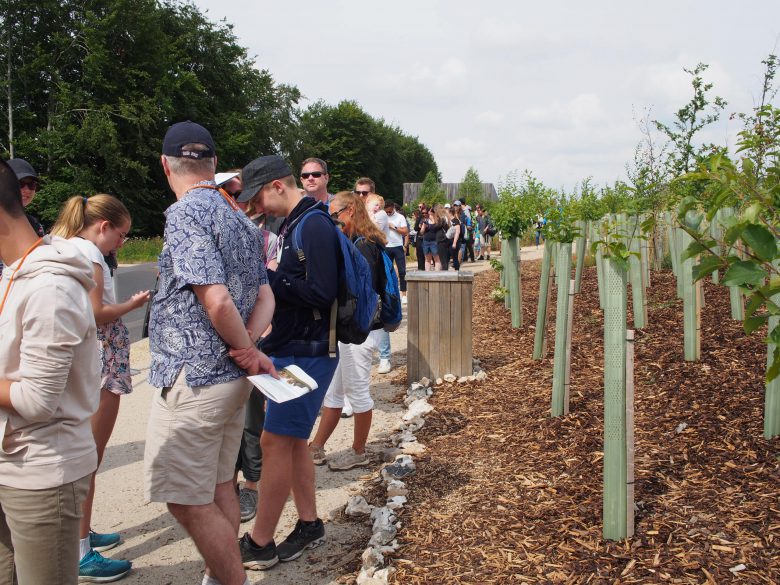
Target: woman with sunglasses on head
{"points": [[353, 373], [98, 226], [420, 215]]}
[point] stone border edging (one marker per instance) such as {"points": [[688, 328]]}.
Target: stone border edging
{"points": [[406, 447]]}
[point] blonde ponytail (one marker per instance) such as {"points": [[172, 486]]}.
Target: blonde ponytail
{"points": [[79, 213]]}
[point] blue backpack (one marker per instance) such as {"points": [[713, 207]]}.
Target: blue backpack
{"points": [[390, 312], [353, 311]]}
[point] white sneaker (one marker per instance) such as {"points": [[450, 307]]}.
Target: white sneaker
{"points": [[384, 367]]}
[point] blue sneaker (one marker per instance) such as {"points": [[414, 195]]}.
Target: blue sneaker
{"points": [[95, 568], [101, 542]]}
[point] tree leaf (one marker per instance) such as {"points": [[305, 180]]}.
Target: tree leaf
{"points": [[743, 273], [761, 241], [704, 268], [753, 323], [774, 370]]}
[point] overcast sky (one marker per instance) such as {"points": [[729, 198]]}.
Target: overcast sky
{"points": [[552, 86]]}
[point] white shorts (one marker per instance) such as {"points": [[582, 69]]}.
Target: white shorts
{"points": [[353, 375]]}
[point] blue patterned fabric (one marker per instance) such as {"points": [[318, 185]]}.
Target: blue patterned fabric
{"points": [[206, 242]]}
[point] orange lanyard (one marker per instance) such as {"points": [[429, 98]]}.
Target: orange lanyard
{"points": [[10, 282], [219, 190]]}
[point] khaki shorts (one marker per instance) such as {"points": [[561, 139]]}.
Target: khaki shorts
{"points": [[192, 440]]}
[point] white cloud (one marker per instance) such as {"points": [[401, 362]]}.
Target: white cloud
{"points": [[490, 118], [425, 81], [464, 147]]}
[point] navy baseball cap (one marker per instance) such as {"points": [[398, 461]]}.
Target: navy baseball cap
{"points": [[183, 133], [22, 168], [261, 171]]}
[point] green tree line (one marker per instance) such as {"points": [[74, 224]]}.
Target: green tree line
{"points": [[91, 86]]}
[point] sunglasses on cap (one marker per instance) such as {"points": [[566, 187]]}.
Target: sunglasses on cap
{"points": [[315, 174], [362, 193]]}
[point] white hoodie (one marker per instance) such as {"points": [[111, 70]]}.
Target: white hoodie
{"points": [[48, 349]]}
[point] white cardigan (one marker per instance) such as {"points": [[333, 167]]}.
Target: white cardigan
{"points": [[48, 349]]}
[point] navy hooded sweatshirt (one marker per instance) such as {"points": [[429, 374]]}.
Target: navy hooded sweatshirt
{"points": [[304, 292]]}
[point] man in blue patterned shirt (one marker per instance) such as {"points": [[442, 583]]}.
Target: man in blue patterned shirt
{"points": [[213, 296]]}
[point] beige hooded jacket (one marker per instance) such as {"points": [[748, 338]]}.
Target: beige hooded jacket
{"points": [[48, 349]]}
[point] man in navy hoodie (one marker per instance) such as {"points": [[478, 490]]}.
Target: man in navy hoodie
{"points": [[304, 292]]}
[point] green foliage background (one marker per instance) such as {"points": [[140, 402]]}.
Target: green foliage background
{"points": [[93, 86]]}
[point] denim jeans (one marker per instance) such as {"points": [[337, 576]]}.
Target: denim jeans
{"points": [[384, 345]]}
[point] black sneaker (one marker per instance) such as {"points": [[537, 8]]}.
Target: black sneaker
{"points": [[257, 558], [305, 535]]}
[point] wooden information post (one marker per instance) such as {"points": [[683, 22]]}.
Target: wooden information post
{"points": [[439, 324]]}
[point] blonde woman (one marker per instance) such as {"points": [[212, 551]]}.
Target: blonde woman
{"points": [[98, 226]]}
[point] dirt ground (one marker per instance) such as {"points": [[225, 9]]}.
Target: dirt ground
{"points": [[506, 494], [161, 551]]}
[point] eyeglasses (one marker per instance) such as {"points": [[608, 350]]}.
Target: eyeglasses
{"points": [[315, 174], [235, 194], [31, 185], [362, 193], [336, 214]]}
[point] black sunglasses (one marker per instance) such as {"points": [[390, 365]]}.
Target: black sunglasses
{"points": [[315, 174], [363, 193], [336, 214], [33, 185]]}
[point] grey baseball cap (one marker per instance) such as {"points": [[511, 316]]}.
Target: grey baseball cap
{"points": [[22, 168], [260, 172]]}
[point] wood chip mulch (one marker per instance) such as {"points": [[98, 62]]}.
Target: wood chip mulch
{"points": [[507, 494]]}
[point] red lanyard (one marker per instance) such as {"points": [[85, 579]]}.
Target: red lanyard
{"points": [[219, 190], [10, 282]]}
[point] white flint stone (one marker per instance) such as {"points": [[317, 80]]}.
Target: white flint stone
{"points": [[480, 375], [366, 577], [471, 378], [383, 575], [450, 377], [439, 381], [357, 506], [417, 408], [396, 502], [372, 558], [425, 382], [415, 449], [415, 424], [463, 379], [415, 386], [736, 569], [396, 487], [681, 427]]}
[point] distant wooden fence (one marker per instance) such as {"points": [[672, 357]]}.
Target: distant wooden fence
{"points": [[439, 324]]}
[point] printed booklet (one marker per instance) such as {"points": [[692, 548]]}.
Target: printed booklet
{"points": [[293, 382]]}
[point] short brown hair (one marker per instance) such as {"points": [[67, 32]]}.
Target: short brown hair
{"points": [[366, 181], [319, 161]]}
